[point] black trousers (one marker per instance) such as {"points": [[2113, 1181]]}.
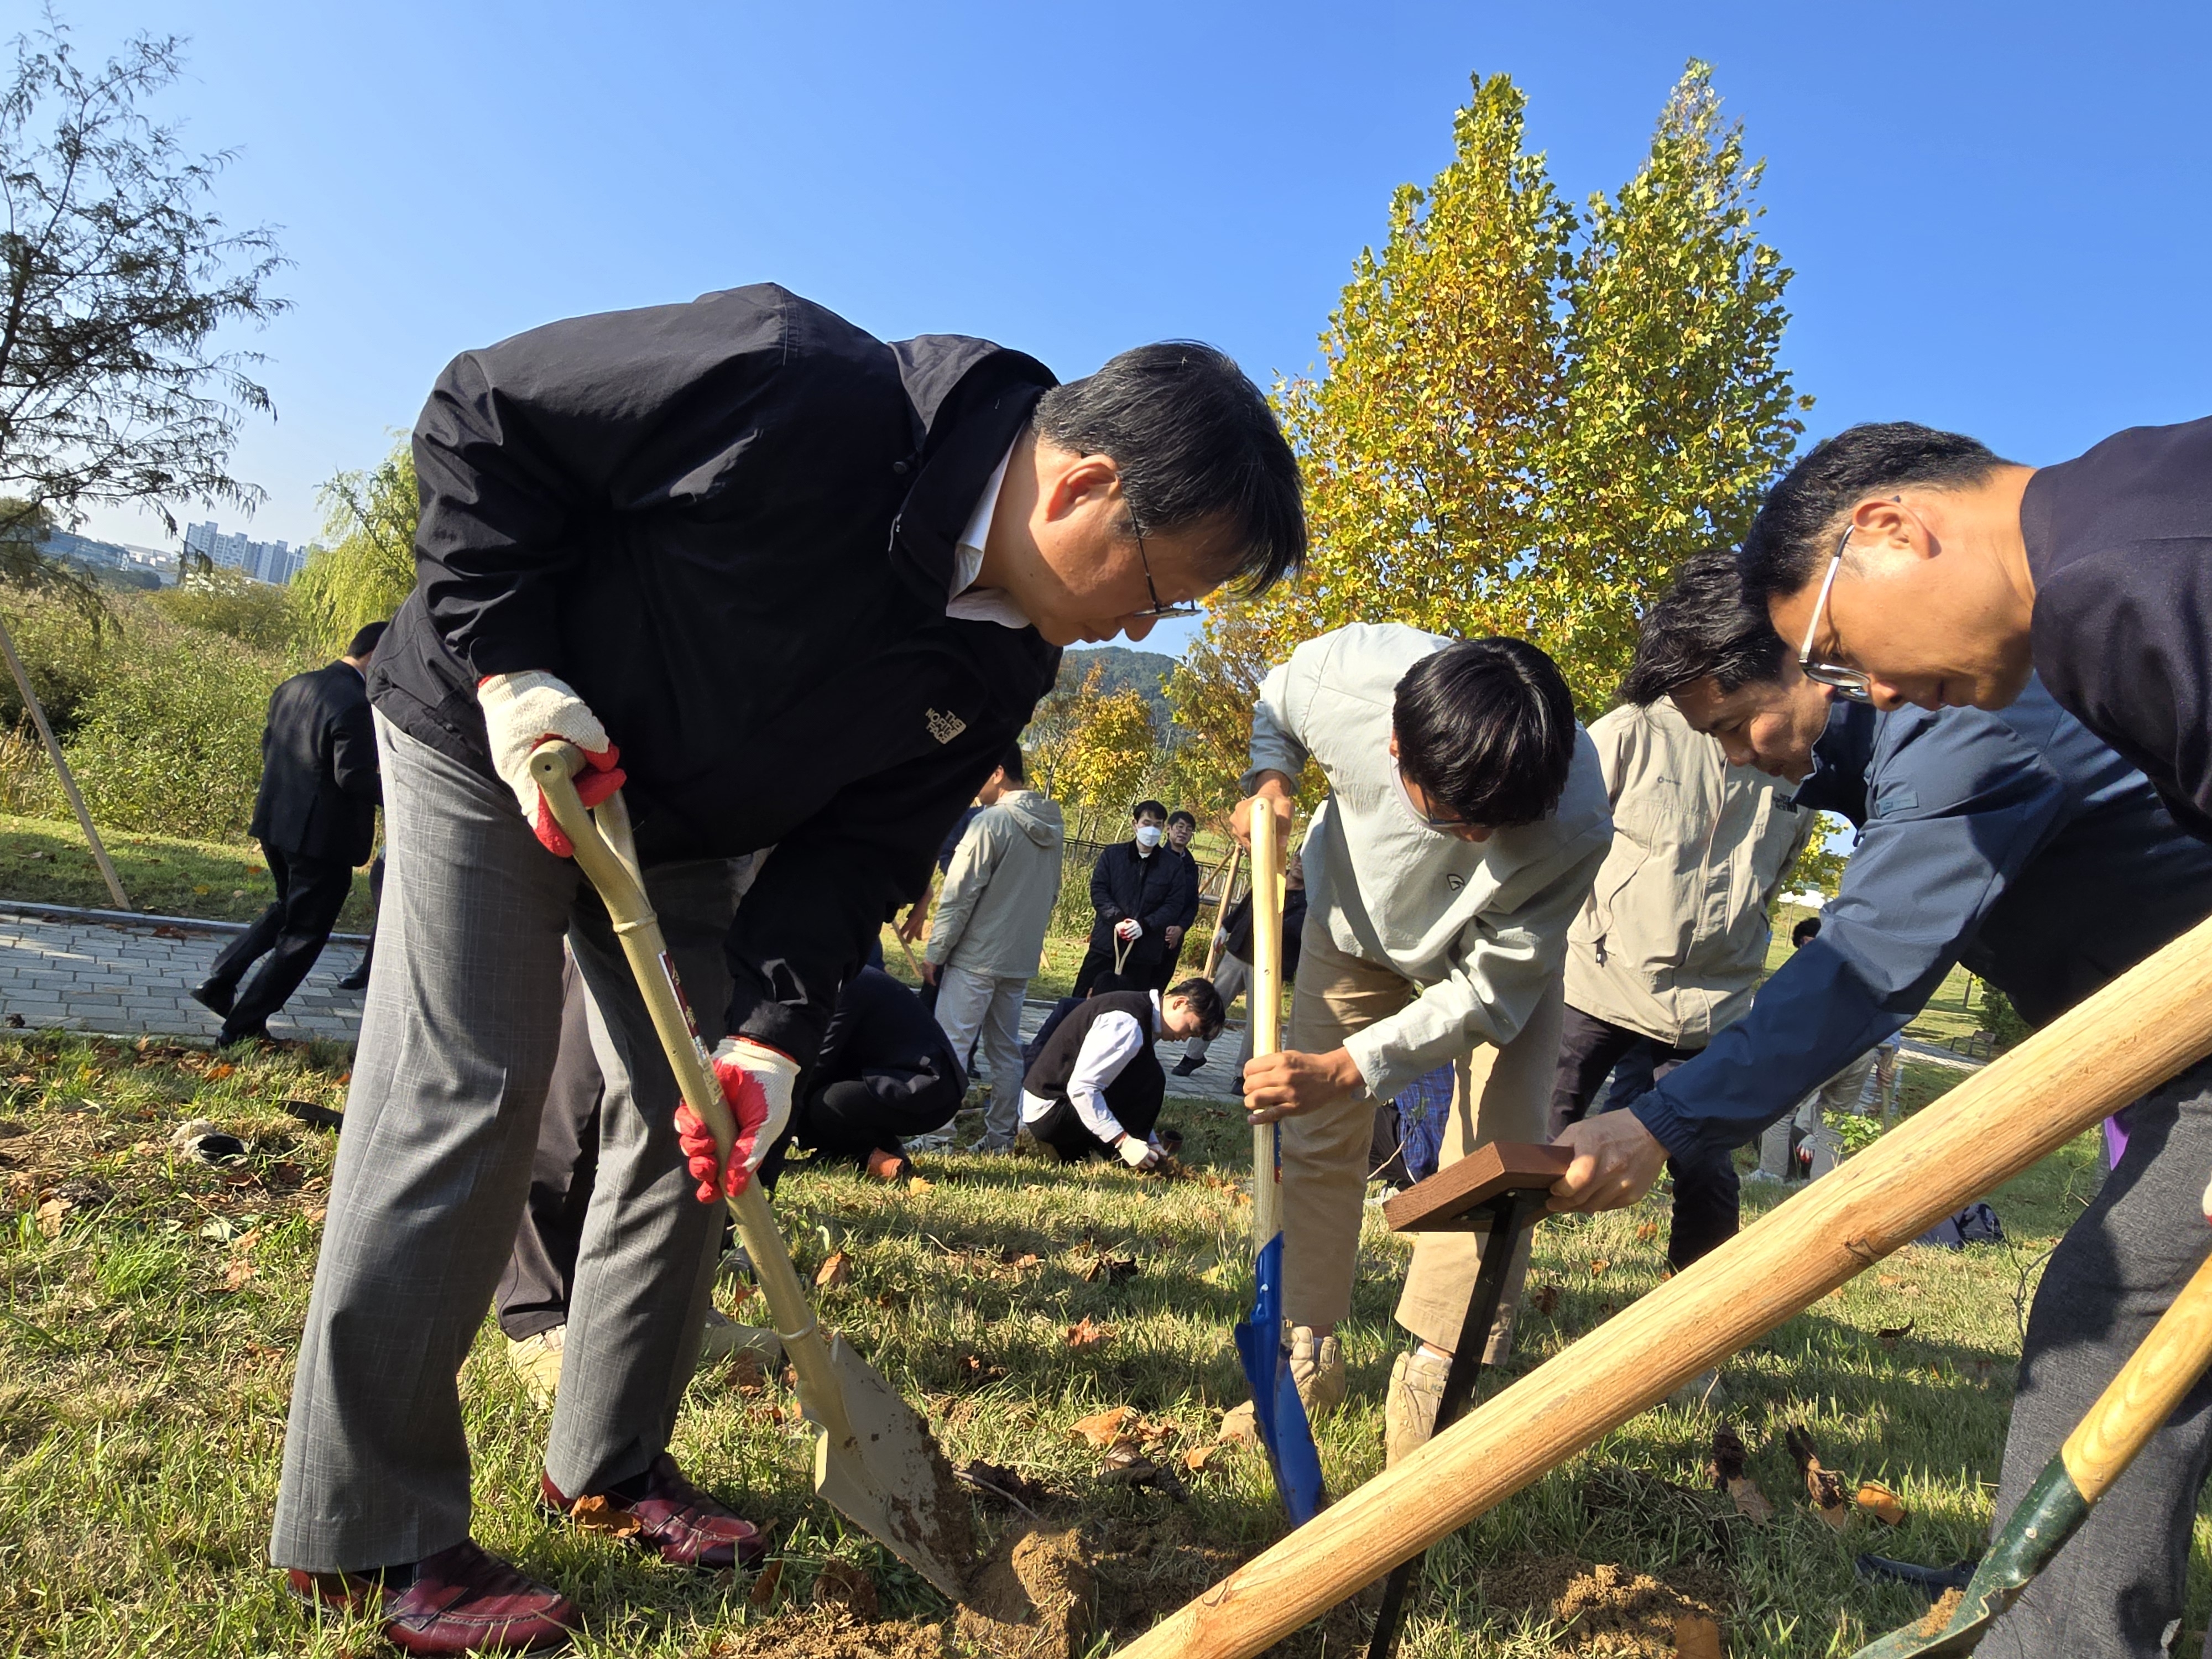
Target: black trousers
{"points": [[851, 1120], [289, 934], [1707, 1192], [1137, 974]]}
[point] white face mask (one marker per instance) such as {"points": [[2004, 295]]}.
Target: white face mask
{"points": [[1148, 834]]}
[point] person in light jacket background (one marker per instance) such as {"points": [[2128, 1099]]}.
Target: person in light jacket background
{"points": [[989, 933], [1672, 941], [1465, 816]]}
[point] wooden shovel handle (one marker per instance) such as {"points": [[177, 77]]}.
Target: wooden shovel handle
{"points": [[2164, 1367], [1263, 1006], [2145, 1027]]}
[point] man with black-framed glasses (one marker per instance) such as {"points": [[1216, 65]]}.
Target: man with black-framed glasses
{"points": [[790, 585]]}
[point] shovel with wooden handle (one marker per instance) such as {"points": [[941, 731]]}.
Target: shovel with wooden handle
{"points": [[2147, 1026], [875, 1462], [2164, 1367]]}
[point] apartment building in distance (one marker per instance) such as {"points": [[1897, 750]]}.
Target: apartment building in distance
{"points": [[265, 562]]}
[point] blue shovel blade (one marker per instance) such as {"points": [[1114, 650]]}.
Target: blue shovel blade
{"points": [[1278, 1413]]}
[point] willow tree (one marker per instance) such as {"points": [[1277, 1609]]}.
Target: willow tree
{"points": [[1528, 416], [368, 567]]}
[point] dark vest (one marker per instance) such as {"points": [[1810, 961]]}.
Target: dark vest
{"points": [[1134, 1096]]}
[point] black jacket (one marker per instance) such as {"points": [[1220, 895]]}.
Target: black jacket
{"points": [[729, 525], [1149, 889], [2120, 543], [319, 787]]}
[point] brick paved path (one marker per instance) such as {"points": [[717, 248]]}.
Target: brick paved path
{"points": [[77, 973], [129, 977]]}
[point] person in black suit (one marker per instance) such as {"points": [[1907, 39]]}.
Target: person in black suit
{"points": [[1136, 888], [315, 817]]}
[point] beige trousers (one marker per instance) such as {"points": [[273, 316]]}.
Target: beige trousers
{"points": [[1498, 1094]]}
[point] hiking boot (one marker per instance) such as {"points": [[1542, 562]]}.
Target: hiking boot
{"points": [[1409, 1409], [215, 996], [676, 1521], [459, 1601], [890, 1167], [1187, 1065], [536, 1359], [1317, 1368]]}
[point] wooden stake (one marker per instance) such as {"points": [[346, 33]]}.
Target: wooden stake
{"points": [[60, 766], [2146, 1027]]}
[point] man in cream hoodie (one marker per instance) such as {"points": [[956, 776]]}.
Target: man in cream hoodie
{"points": [[988, 936], [1465, 818]]}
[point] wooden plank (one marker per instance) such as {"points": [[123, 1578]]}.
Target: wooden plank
{"points": [[1443, 1200]]}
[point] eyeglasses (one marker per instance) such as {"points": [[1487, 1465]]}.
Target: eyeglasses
{"points": [[1852, 683], [1187, 608]]}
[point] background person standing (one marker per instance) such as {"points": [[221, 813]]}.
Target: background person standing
{"points": [[1182, 826], [315, 817], [1137, 892], [1232, 976], [989, 934]]}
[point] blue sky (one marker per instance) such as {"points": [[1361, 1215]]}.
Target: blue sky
{"points": [[2000, 215]]}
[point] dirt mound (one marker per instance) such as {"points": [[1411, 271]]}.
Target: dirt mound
{"points": [[1605, 1610], [834, 1635], [1032, 1599]]}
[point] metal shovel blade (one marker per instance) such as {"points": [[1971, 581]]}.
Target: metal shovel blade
{"points": [[889, 1478], [1277, 1411]]}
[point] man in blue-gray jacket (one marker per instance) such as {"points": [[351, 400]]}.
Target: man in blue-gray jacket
{"points": [[2017, 843]]}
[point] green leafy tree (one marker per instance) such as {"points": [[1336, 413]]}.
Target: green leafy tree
{"points": [[369, 569], [1527, 418], [119, 281]]}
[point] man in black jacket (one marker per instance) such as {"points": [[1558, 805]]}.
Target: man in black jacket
{"points": [[1136, 888], [1182, 826], [811, 584], [315, 817]]}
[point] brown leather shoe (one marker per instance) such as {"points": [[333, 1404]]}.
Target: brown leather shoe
{"points": [[677, 1520], [462, 1601]]}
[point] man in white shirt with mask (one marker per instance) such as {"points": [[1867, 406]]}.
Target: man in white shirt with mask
{"points": [[1465, 816]]}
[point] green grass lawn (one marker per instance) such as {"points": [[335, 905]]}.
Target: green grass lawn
{"points": [[160, 874], [147, 1324]]}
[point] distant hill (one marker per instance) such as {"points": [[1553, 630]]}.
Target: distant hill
{"points": [[1147, 671]]}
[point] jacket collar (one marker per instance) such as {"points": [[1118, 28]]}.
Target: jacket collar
{"points": [[969, 400], [1841, 760]]}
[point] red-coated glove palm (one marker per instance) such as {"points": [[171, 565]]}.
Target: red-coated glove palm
{"points": [[756, 1082]]}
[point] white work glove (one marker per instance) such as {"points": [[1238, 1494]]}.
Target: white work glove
{"points": [[1129, 927], [1138, 1154], [757, 1081], [521, 711]]}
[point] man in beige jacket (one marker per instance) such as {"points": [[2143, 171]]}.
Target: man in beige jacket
{"points": [[1672, 941], [988, 936], [1465, 817]]}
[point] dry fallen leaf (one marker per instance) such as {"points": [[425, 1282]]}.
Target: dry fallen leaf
{"points": [[236, 1274], [1823, 1485], [1880, 1502], [1891, 1335], [746, 1373], [1111, 1268], [1198, 1457], [217, 1073], [980, 1372], [1887, 1281], [1104, 1428], [835, 1272], [597, 1514], [1599, 1266], [1018, 1261], [761, 1591], [917, 1184], [1087, 1333], [1751, 1502], [1647, 1232], [1697, 1638], [1544, 1298]]}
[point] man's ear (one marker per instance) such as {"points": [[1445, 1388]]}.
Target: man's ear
{"points": [[1070, 483], [1889, 525]]}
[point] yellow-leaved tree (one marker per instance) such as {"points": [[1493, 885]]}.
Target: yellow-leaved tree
{"points": [[1528, 416], [1089, 749]]}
